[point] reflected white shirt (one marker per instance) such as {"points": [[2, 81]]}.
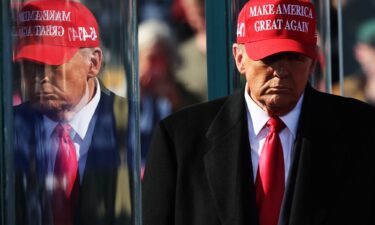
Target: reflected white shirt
{"points": [[81, 136], [257, 119]]}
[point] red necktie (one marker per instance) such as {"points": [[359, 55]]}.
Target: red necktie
{"points": [[66, 177], [270, 176]]}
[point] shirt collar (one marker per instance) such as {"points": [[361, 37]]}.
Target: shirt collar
{"points": [[81, 120], [258, 118]]}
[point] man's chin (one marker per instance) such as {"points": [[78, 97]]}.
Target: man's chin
{"points": [[280, 107], [53, 111]]}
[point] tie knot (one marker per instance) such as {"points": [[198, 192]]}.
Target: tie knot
{"points": [[63, 129], [275, 124]]}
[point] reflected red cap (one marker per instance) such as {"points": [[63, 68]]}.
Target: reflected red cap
{"points": [[52, 31], [267, 27]]}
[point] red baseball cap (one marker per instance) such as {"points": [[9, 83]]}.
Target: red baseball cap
{"points": [[52, 31], [267, 27]]}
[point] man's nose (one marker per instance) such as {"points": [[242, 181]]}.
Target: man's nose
{"points": [[280, 68], [42, 74]]}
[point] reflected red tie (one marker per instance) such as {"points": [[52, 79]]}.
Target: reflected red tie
{"points": [[66, 177], [270, 176]]}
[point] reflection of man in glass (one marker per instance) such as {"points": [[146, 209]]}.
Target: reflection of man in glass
{"points": [[67, 154]]}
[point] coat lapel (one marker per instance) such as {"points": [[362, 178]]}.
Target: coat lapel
{"points": [[98, 191], [293, 206], [300, 169], [312, 178], [228, 165]]}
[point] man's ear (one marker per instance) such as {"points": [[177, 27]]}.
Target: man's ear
{"points": [[239, 57], [96, 59]]}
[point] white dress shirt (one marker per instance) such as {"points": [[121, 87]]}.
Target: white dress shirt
{"points": [[257, 119], [81, 136]]}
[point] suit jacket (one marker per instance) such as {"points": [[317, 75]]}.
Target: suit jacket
{"points": [[199, 171], [97, 193]]}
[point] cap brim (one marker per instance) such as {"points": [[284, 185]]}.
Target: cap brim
{"points": [[261, 49], [45, 54]]}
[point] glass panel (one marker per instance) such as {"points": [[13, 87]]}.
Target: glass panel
{"points": [[358, 21], [346, 34], [237, 80], [172, 60], [217, 48], [76, 103], [322, 78], [6, 184]]}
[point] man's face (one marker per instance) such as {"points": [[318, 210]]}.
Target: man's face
{"points": [[365, 55], [153, 67], [276, 82], [57, 89], [195, 14]]}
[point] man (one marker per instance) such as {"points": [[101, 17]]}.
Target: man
{"points": [[193, 71], [66, 144], [161, 94], [364, 52], [361, 85], [277, 152]]}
